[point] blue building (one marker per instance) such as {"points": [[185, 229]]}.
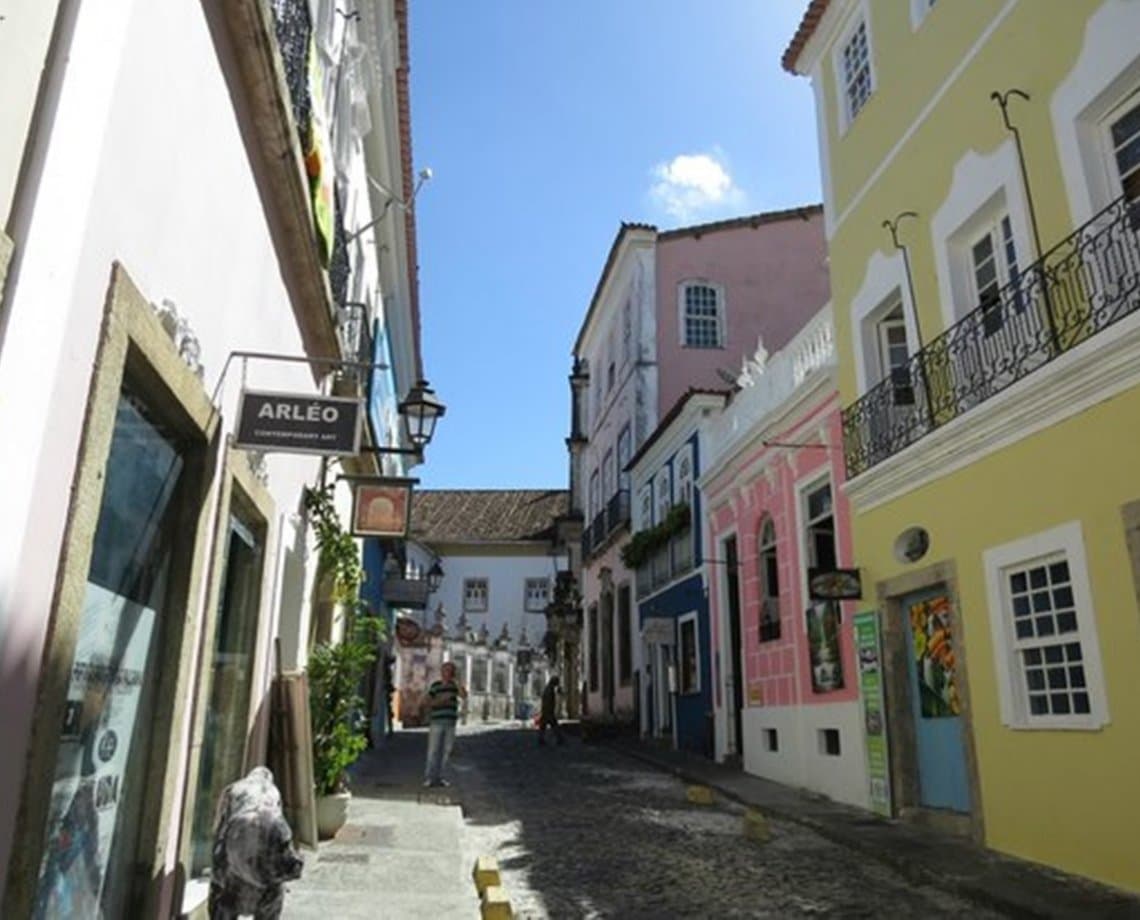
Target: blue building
{"points": [[674, 658]]}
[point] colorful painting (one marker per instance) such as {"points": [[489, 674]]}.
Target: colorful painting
{"points": [[930, 623], [823, 623]]}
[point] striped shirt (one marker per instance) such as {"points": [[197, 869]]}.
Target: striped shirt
{"points": [[444, 699]]}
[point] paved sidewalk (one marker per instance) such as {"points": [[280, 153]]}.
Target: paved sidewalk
{"points": [[402, 853], [1012, 886]]}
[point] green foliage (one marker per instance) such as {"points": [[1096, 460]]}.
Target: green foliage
{"points": [[335, 704], [643, 544], [340, 556]]}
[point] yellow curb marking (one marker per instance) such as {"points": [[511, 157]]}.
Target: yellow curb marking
{"points": [[496, 905], [700, 795]]}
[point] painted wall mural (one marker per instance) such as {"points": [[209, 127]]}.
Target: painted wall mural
{"points": [[930, 622]]}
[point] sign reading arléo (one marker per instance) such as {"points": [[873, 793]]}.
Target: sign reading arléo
{"points": [[299, 424]]}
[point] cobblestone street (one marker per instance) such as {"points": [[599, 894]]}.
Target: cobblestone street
{"points": [[584, 831]]}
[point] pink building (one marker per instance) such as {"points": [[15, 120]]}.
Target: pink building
{"points": [[773, 489], [672, 310]]}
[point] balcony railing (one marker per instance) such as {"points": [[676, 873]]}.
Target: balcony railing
{"points": [[667, 564], [617, 510], [606, 522], [1081, 286], [294, 28]]}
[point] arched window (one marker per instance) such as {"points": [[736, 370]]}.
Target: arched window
{"points": [[769, 583]]}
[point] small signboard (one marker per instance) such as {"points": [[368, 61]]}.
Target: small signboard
{"points": [[381, 507], [868, 648], [299, 424], [834, 584]]}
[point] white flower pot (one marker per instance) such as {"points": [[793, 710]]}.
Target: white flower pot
{"points": [[332, 813]]}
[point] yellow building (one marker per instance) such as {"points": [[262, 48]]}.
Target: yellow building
{"points": [[981, 166]]}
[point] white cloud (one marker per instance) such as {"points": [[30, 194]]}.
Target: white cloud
{"points": [[692, 186]]}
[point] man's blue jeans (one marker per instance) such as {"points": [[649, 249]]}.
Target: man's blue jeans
{"points": [[441, 737]]}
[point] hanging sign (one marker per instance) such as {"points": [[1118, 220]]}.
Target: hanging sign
{"points": [[299, 424], [868, 648], [381, 507], [834, 584]]}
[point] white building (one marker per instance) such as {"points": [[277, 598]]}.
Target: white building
{"points": [[159, 219], [496, 549]]}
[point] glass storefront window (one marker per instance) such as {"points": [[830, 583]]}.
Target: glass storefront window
{"points": [[100, 775], [222, 757]]}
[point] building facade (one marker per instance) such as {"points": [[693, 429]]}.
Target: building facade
{"points": [[497, 549], [672, 310], [148, 564], [981, 216], [776, 509], [673, 655]]}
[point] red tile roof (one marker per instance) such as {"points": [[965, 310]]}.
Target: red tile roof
{"points": [[812, 16], [486, 515], [404, 113]]}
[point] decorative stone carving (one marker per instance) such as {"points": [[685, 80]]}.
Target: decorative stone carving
{"points": [[183, 337]]}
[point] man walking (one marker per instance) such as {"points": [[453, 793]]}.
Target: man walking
{"points": [[548, 714], [443, 698]]}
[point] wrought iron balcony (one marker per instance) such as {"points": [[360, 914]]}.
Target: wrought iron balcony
{"points": [[607, 522], [617, 511], [668, 563], [294, 28], [1081, 286]]}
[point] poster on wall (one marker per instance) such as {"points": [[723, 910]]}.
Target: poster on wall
{"points": [[868, 648], [934, 661], [100, 716], [823, 623]]}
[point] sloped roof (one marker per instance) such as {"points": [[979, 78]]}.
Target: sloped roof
{"points": [[486, 515], [812, 15]]}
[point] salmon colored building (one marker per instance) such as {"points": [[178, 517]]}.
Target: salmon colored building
{"points": [[787, 698]]}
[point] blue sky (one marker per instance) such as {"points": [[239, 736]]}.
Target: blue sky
{"points": [[547, 124]]}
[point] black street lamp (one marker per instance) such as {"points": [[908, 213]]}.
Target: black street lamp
{"points": [[421, 410], [434, 577]]}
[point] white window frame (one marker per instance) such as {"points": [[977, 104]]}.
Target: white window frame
{"points": [[810, 483], [609, 477], [999, 231], [624, 453], [662, 495], [1067, 540], [1118, 111], [645, 507], [764, 549], [627, 331], [472, 606], [682, 621], [680, 481], [861, 17], [595, 487], [535, 601], [721, 312]]}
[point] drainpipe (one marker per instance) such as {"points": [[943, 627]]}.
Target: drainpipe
{"points": [[893, 227], [1002, 99]]}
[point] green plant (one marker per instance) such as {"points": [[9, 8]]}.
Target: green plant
{"points": [[339, 555], [643, 544], [335, 703]]}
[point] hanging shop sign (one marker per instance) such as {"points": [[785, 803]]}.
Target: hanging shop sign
{"points": [[299, 424], [868, 648], [381, 507], [834, 584]]}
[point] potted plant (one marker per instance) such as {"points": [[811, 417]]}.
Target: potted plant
{"points": [[335, 707], [337, 669], [340, 572]]}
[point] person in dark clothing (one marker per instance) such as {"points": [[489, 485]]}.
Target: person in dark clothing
{"points": [[548, 714]]}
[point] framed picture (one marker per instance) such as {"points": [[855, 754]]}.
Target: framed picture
{"points": [[381, 507]]}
